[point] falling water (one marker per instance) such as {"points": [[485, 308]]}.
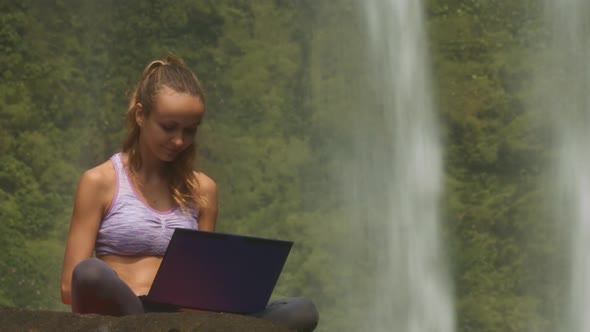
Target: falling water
{"points": [[566, 75], [395, 177]]}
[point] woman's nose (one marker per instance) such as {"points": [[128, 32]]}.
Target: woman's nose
{"points": [[178, 140]]}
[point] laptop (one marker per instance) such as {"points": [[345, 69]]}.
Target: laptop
{"points": [[219, 272]]}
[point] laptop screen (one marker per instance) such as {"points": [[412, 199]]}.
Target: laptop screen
{"points": [[219, 272]]}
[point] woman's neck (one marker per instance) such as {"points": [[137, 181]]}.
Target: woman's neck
{"points": [[152, 168]]}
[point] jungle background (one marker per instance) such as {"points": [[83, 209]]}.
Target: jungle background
{"points": [[66, 68]]}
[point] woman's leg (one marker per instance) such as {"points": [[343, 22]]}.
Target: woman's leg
{"points": [[297, 313], [97, 289]]}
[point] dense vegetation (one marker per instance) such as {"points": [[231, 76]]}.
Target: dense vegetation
{"points": [[271, 132]]}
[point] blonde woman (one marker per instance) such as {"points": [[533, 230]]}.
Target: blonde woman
{"points": [[126, 209]]}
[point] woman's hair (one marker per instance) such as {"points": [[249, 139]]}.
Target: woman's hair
{"points": [[169, 72]]}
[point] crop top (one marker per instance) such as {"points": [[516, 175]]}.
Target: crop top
{"points": [[131, 227]]}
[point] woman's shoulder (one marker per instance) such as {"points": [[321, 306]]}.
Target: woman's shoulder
{"points": [[101, 177], [206, 184]]}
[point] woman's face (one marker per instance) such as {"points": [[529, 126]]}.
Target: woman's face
{"points": [[171, 126]]}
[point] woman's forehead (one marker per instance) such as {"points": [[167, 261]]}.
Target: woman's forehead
{"points": [[178, 105]]}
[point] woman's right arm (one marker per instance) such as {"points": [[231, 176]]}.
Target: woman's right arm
{"points": [[89, 206]]}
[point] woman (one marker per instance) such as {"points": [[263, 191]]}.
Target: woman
{"points": [[126, 209]]}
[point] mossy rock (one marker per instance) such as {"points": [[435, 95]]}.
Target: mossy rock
{"points": [[49, 321]]}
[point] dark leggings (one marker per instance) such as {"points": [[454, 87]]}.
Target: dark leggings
{"points": [[96, 288]]}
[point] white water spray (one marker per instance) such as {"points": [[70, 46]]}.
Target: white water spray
{"points": [[566, 79], [395, 177]]}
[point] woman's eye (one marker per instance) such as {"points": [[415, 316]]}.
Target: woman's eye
{"points": [[167, 128], [190, 131]]}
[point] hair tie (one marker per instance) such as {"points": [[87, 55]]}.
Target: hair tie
{"points": [[152, 67]]}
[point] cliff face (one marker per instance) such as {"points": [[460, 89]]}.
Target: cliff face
{"points": [[42, 321]]}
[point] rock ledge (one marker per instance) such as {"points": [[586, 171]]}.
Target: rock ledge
{"points": [[49, 321]]}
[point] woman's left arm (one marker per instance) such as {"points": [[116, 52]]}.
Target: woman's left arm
{"points": [[207, 213]]}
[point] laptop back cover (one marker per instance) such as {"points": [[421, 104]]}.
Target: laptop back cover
{"points": [[219, 272]]}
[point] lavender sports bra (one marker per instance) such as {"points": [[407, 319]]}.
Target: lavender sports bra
{"points": [[131, 227]]}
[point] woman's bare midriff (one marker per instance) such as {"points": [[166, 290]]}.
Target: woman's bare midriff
{"points": [[137, 272]]}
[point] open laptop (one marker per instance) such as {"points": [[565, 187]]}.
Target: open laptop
{"points": [[219, 272]]}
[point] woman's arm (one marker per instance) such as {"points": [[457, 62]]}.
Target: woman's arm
{"points": [[89, 204], [207, 213]]}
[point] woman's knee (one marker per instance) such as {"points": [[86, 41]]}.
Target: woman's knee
{"points": [[92, 273], [96, 288], [306, 312], [296, 313]]}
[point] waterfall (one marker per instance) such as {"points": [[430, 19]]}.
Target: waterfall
{"points": [[394, 177], [565, 79]]}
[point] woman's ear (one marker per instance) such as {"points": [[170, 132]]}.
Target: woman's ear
{"points": [[139, 114]]}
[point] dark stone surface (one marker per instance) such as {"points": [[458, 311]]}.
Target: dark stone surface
{"points": [[49, 321]]}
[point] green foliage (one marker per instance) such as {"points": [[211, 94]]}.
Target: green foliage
{"points": [[496, 161]]}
